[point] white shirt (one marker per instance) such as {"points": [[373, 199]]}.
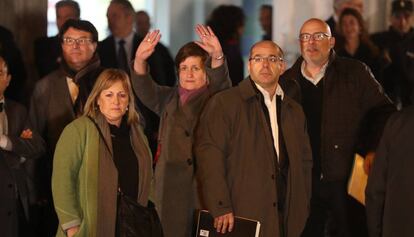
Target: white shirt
{"points": [[128, 45], [318, 76], [4, 140], [271, 108]]}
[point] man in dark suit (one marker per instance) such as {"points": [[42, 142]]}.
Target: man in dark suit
{"points": [[389, 194], [47, 50], [14, 192], [338, 96], [58, 99], [118, 49]]}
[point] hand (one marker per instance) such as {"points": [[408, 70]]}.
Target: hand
{"points": [[224, 223], [72, 231], [145, 49], [369, 161], [209, 42], [26, 134]]}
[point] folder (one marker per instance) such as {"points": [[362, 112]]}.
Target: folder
{"points": [[358, 180], [243, 227]]}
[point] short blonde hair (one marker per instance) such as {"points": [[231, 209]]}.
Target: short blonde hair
{"points": [[105, 80]]}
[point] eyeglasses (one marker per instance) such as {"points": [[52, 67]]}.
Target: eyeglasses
{"points": [[318, 36], [79, 41], [185, 69], [270, 59]]}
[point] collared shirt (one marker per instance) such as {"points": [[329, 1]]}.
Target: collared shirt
{"points": [[4, 140], [73, 89], [318, 76], [128, 45], [272, 109]]}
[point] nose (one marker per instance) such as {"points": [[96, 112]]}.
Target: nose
{"points": [[116, 100]]}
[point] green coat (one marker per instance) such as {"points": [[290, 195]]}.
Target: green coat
{"points": [[85, 179]]}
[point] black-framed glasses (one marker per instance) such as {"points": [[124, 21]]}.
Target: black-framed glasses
{"points": [[318, 36], [79, 41], [270, 59]]}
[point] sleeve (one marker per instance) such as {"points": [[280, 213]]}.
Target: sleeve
{"points": [[376, 188], [219, 77], [154, 96], [66, 164], [377, 106], [211, 146]]}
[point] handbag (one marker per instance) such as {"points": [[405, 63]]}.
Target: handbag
{"points": [[135, 220]]}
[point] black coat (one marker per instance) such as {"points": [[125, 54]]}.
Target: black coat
{"points": [[389, 193], [355, 110]]}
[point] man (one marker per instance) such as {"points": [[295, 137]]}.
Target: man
{"points": [[118, 49], [339, 6], [47, 50], [338, 96], [395, 43], [389, 195], [252, 151], [60, 97], [265, 18], [14, 194], [142, 23]]}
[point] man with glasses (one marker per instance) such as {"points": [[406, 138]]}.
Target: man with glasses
{"points": [[58, 99], [397, 44], [252, 151], [340, 97]]}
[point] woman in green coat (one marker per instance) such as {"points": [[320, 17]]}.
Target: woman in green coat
{"points": [[97, 154]]}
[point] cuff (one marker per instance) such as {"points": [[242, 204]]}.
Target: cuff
{"points": [[71, 224]]}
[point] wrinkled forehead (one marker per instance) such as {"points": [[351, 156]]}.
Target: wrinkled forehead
{"points": [[265, 49], [314, 26]]}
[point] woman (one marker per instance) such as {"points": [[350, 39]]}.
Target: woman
{"points": [[97, 153], [202, 72], [353, 40]]}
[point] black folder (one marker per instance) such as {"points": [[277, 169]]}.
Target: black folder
{"points": [[243, 227]]}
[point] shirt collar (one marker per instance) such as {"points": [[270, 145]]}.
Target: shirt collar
{"points": [[318, 76], [266, 95], [128, 39]]}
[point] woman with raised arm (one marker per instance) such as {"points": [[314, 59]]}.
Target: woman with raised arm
{"points": [[202, 72]]}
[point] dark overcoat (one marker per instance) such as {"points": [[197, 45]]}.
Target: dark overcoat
{"points": [[236, 160]]}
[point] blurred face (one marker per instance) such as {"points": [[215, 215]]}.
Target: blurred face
{"points": [[350, 26], [5, 77], [78, 48], [265, 64], [142, 22], [119, 22], [316, 52], [63, 14], [192, 75], [266, 19], [113, 103], [401, 21]]}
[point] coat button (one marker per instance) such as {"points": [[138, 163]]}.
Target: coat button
{"points": [[189, 161], [187, 134], [274, 204], [273, 176], [220, 203], [336, 146]]}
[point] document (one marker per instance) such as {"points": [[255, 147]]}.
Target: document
{"points": [[243, 227], [358, 180]]}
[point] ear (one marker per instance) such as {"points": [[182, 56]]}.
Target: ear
{"points": [[332, 42], [282, 67]]}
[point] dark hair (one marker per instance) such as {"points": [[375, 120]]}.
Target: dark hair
{"points": [[69, 3], [225, 20], [266, 7], [188, 50], [79, 25], [129, 9], [364, 36]]}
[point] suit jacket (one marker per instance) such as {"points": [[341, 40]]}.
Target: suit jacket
{"points": [[47, 55], [160, 62], [389, 194], [235, 159], [13, 178], [354, 112], [175, 189]]}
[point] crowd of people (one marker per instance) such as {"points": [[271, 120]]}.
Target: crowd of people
{"points": [[120, 139]]}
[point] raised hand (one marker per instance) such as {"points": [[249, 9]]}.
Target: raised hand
{"points": [[144, 51], [210, 43]]}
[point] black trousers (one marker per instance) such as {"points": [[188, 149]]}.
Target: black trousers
{"points": [[333, 212]]}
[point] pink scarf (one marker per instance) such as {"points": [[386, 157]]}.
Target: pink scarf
{"points": [[187, 95]]}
